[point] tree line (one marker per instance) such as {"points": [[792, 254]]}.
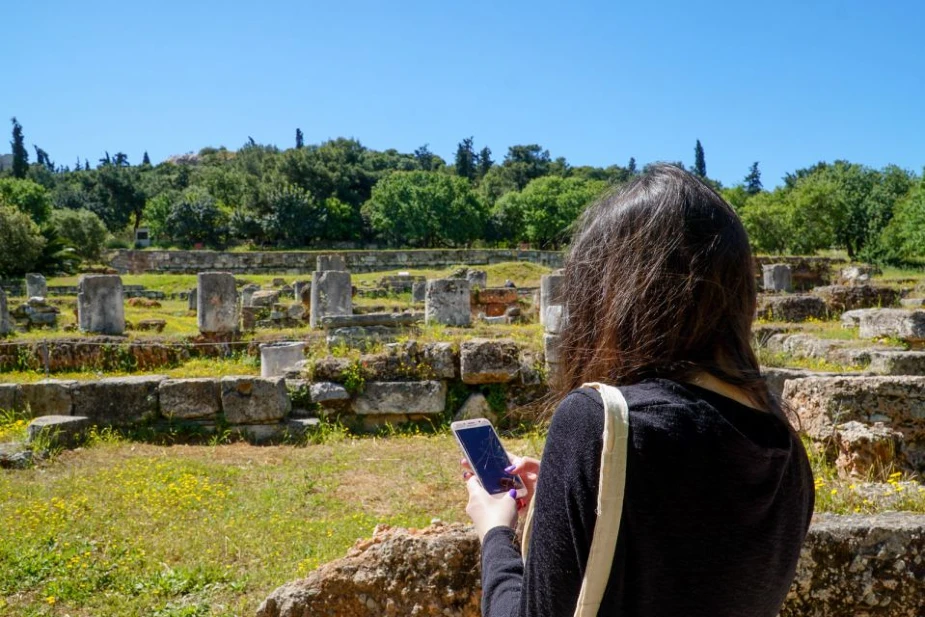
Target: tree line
{"points": [[340, 193]]}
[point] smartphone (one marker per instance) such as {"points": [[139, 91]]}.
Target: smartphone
{"points": [[486, 456]]}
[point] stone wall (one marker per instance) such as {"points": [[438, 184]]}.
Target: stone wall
{"points": [[849, 566], [304, 262], [407, 382]]}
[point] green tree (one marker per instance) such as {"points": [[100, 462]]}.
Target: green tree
{"points": [[145, 160], [631, 166], [427, 160], [525, 163], [20, 154], [753, 180], [29, 197], [766, 218], [42, 158], [544, 212], [299, 139], [736, 196], [120, 197], [700, 161], [484, 162], [82, 230], [21, 239], [425, 209], [466, 159], [196, 219]]}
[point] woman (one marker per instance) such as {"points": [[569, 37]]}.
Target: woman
{"points": [[719, 492]]}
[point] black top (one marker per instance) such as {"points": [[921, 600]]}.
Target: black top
{"points": [[718, 501]]}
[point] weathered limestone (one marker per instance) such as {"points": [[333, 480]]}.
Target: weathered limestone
{"points": [[277, 358], [852, 319], [401, 397], [247, 294], [857, 565], [216, 303], [775, 377], [834, 350], [254, 400], [392, 320], [192, 299], [328, 263], [822, 403], [49, 397], [66, 431], [418, 292], [5, 325], [494, 301], [552, 293], [36, 286], [912, 303], [118, 401], [189, 399], [36, 312], [777, 277], [906, 325], [11, 398], [856, 275], [839, 298], [361, 337], [332, 294], [326, 391], [478, 279], [897, 362], [100, 304], [447, 302], [791, 308], [489, 361], [476, 406], [441, 359], [868, 452], [302, 292], [554, 319], [265, 298]]}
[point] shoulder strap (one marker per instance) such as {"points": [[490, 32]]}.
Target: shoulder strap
{"points": [[612, 484]]}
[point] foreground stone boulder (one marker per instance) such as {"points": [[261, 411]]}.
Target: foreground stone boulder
{"points": [[117, 401], [895, 323], [400, 572], [489, 361], [850, 566]]}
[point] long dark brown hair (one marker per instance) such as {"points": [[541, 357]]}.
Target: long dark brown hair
{"points": [[659, 282]]}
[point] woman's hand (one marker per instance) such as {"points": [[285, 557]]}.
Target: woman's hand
{"points": [[528, 469], [489, 511]]}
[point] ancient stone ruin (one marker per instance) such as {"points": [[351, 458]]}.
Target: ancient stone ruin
{"points": [[447, 302], [100, 304], [216, 303]]}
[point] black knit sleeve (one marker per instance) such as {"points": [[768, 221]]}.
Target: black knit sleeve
{"points": [[563, 522]]}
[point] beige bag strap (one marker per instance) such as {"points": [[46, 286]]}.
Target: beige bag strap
{"points": [[611, 489]]}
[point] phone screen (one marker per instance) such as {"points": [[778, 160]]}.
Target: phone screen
{"points": [[488, 459]]}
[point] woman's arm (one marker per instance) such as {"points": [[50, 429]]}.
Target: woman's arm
{"points": [[563, 522]]}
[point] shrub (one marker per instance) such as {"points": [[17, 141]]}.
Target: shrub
{"points": [[83, 230], [21, 241]]}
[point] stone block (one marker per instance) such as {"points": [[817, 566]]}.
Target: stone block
{"points": [[332, 294], [856, 275], [447, 302], [775, 377], [302, 292], [391, 320], [118, 401], [277, 358], [6, 326], [495, 295], [254, 400], [36, 286], [326, 392], [192, 301], [852, 319], [823, 403], [554, 319], [65, 431], [362, 338], [477, 279], [897, 362], [839, 298], [401, 397], [264, 298], [327, 263], [895, 323], [247, 295], [442, 360], [11, 398], [489, 361], [777, 277], [188, 399], [476, 406], [912, 303], [552, 292], [866, 451], [300, 426], [552, 348], [49, 397], [100, 304], [216, 303], [418, 291], [793, 308]]}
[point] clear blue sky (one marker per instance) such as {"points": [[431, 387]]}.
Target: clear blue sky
{"points": [[785, 83]]}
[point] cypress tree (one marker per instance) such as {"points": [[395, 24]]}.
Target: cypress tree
{"points": [[700, 163], [298, 139], [485, 162], [753, 184], [146, 160], [465, 159], [631, 166], [20, 154]]}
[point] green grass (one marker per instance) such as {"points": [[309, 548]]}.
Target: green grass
{"points": [[195, 367]]}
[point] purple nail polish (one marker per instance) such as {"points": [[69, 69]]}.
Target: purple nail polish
{"points": [[512, 493], [509, 468]]}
